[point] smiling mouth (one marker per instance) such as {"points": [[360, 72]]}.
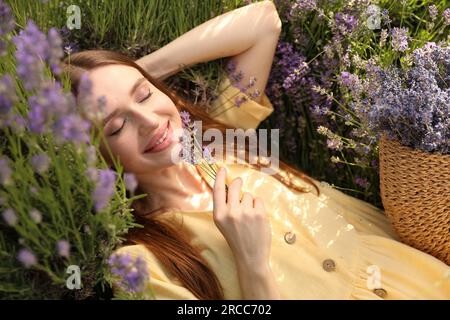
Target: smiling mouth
{"points": [[160, 140]]}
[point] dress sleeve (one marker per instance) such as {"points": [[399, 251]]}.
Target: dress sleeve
{"points": [[247, 115], [163, 285]]}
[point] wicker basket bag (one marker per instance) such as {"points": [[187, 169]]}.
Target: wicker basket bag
{"points": [[415, 191]]}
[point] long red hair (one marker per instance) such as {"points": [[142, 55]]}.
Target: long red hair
{"points": [[169, 245]]}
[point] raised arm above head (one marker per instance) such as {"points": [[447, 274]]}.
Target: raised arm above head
{"points": [[248, 35]]}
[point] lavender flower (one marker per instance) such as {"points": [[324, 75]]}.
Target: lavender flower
{"points": [[55, 50], [48, 104], [289, 67], [104, 189], [362, 182], [351, 81], [7, 24], [383, 37], [446, 16], [27, 258], [301, 7], [36, 216], [10, 217], [411, 105], [130, 182], [399, 39], [40, 163], [132, 272], [207, 155], [32, 50], [385, 16], [63, 248], [238, 101], [73, 128], [433, 11], [334, 144], [185, 118], [345, 23]]}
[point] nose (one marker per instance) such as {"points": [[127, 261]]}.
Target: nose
{"points": [[148, 123]]}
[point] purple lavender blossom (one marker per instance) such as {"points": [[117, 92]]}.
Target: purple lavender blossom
{"points": [[345, 23], [446, 16], [72, 128], [207, 155], [55, 50], [399, 39], [32, 50], [133, 273], [290, 66], [27, 258], [185, 118], [63, 248], [36, 216], [334, 144], [104, 189], [131, 182], [7, 24], [10, 217], [433, 11], [385, 17], [351, 81], [40, 163], [48, 104], [301, 7], [238, 101], [362, 182], [412, 105]]}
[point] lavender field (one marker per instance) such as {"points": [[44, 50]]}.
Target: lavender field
{"points": [[344, 73]]}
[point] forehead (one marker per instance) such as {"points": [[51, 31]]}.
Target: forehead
{"points": [[113, 81]]}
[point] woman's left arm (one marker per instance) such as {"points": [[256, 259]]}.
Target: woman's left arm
{"points": [[248, 35]]}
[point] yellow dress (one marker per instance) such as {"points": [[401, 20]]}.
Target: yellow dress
{"points": [[331, 246]]}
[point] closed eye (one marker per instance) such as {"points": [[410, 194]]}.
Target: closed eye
{"points": [[125, 119], [146, 97], [118, 130]]}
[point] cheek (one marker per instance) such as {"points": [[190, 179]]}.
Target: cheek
{"points": [[122, 149]]}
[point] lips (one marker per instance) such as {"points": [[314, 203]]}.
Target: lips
{"points": [[156, 137]]}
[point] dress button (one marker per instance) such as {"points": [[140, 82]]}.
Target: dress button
{"points": [[329, 265], [380, 292], [289, 237]]}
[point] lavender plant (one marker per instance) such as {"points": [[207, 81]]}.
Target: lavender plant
{"points": [[60, 204], [411, 105]]}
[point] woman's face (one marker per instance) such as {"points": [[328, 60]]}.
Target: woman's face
{"points": [[136, 114]]}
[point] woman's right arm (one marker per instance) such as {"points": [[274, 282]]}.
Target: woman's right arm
{"points": [[248, 34], [246, 228]]}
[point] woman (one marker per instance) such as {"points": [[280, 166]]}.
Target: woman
{"points": [[269, 237]]}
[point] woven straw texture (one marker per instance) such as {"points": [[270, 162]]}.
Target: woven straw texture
{"points": [[415, 190]]}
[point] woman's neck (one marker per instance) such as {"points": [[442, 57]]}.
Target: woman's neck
{"points": [[179, 187]]}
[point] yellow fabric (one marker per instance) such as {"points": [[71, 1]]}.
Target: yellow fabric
{"points": [[354, 234], [247, 116]]}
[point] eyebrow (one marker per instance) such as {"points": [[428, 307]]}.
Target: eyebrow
{"points": [[132, 90]]}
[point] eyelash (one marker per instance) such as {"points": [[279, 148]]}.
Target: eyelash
{"points": [[126, 118]]}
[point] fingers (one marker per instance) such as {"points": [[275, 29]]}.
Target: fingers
{"points": [[219, 195], [259, 205], [234, 192], [247, 200]]}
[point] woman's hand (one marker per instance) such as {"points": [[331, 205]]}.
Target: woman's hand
{"points": [[246, 228], [243, 223]]}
